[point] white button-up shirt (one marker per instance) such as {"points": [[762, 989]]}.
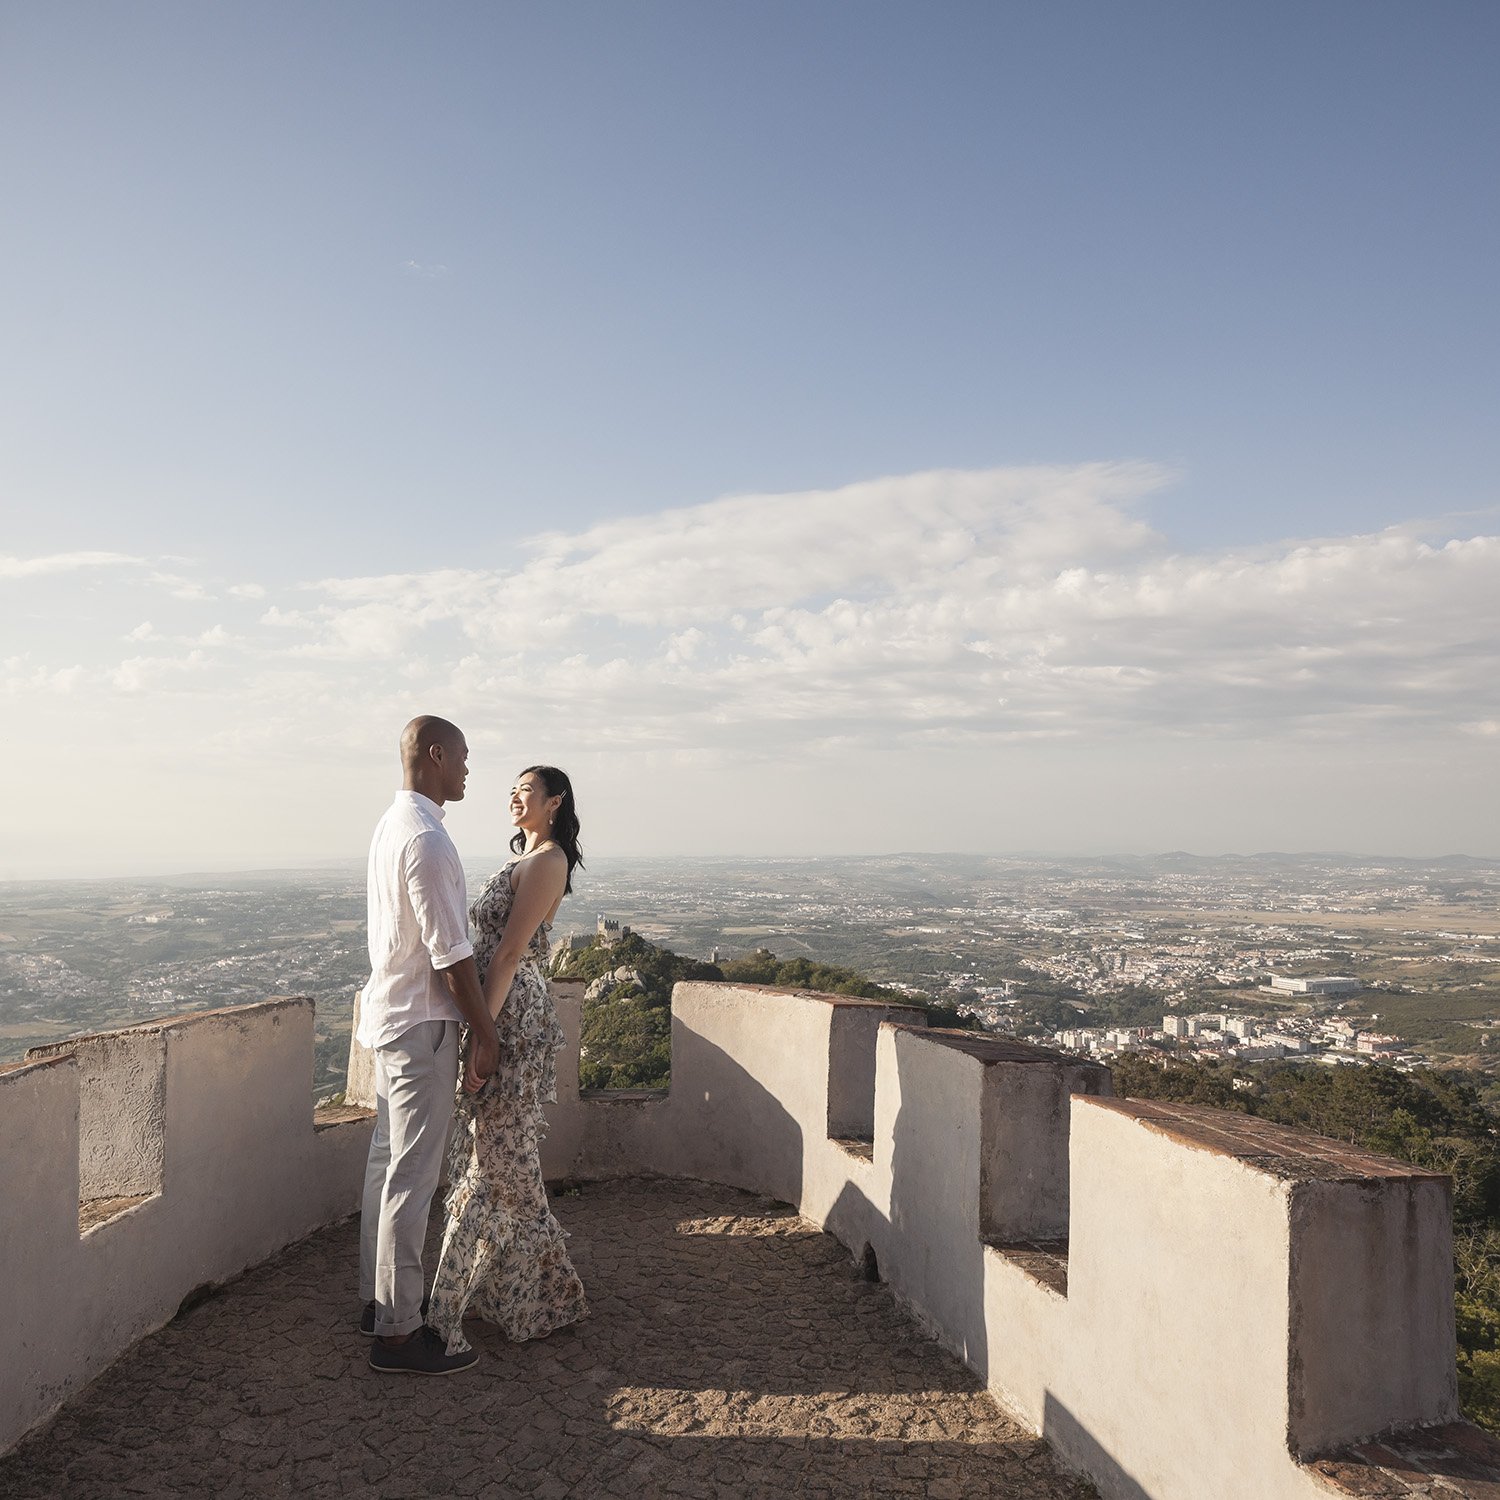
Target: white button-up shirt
{"points": [[418, 921]]}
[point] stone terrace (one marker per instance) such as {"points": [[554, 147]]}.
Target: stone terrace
{"points": [[733, 1350]]}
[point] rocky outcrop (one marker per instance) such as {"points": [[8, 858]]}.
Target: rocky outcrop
{"points": [[613, 980]]}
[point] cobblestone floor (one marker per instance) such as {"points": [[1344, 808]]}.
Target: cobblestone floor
{"points": [[732, 1351]]}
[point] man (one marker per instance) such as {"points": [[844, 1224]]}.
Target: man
{"points": [[423, 981]]}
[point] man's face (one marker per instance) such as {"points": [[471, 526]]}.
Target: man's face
{"points": [[455, 769]]}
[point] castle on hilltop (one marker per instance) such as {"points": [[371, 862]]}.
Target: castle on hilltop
{"points": [[1182, 1302], [608, 932]]}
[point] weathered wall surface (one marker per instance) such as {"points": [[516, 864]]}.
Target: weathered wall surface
{"points": [[200, 1130]]}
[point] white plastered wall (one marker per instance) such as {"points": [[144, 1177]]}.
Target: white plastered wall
{"points": [[1166, 1367], [242, 1173]]}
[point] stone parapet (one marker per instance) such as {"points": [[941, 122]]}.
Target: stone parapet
{"points": [[139, 1166], [1185, 1303]]}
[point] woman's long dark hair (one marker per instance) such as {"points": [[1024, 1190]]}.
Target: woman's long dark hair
{"points": [[564, 820]]}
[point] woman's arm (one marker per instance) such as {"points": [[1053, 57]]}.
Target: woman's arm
{"points": [[539, 883]]}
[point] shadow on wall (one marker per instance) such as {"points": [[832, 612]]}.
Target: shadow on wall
{"points": [[718, 1122], [1076, 1444], [939, 1187], [942, 1274]]}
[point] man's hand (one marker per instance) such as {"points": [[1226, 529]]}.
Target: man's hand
{"points": [[483, 1058], [484, 1044]]}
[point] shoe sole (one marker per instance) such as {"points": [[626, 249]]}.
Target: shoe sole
{"points": [[413, 1370]]}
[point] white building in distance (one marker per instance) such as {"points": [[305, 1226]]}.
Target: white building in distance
{"points": [[1335, 984]]}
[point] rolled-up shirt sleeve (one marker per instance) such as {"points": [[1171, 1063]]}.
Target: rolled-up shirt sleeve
{"points": [[435, 887]]}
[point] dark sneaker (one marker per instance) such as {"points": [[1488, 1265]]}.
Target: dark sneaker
{"points": [[424, 1353], [367, 1317]]}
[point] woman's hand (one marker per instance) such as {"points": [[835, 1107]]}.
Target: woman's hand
{"points": [[482, 1059]]}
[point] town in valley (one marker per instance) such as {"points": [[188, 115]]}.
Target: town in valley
{"points": [[1317, 959]]}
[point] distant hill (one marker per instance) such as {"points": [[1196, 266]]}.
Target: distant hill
{"points": [[626, 1035]]}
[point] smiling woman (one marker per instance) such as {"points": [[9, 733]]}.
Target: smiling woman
{"points": [[503, 1257]]}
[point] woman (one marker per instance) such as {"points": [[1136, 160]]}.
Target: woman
{"points": [[503, 1256]]}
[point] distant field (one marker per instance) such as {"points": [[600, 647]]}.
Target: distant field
{"points": [[1414, 919], [33, 1032], [1452, 1025]]}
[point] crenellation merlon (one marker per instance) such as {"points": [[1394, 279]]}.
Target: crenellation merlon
{"points": [[1278, 1149]]}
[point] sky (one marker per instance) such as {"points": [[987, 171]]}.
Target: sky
{"points": [[835, 428]]}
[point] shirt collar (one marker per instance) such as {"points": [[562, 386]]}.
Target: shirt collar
{"points": [[420, 800]]}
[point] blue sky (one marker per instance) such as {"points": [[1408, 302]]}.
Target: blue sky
{"points": [[1135, 367]]}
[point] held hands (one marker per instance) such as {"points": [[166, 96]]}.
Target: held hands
{"points": [[483, 1052], [483, 1058]]}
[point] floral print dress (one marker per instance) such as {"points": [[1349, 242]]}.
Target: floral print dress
{"points": [[503, 1255]]}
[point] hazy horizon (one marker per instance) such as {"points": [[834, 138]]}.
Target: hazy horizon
{"points": [[355, 864]]}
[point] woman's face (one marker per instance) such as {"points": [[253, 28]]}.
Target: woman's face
{"points": [[530, 806]]}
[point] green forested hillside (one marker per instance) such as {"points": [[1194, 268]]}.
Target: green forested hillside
{"points": [[1431, 1119], [626, 1038]]}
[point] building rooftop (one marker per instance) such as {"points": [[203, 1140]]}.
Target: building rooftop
{"points": [[733, 1349]]}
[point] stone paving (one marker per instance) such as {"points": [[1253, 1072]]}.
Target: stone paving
{"points": [[732, 1351], [1454, 1461]]}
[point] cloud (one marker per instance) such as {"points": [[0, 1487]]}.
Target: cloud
{"points": [[1030, 602], [21, 681], [710, 561], [424, 271], [949, 607], [190, 590], [141, 674], [62, 562]]}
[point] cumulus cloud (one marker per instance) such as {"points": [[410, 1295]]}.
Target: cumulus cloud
{"points": [[191, 590], [139, 674], [1004, 603], [949, 607], [62, 562], [20, 680]]}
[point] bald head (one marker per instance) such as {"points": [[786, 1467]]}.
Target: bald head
{"points": [[425, 731], [434, 758]]}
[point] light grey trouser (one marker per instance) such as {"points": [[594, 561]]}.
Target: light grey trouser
{"points": [[415, 1076]]}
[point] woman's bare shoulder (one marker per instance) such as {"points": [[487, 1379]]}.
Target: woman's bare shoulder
{"points": [[550, 858]]}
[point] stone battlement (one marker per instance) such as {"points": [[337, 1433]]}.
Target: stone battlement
{"points": [[1183, 1302], [137, 1168]]}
